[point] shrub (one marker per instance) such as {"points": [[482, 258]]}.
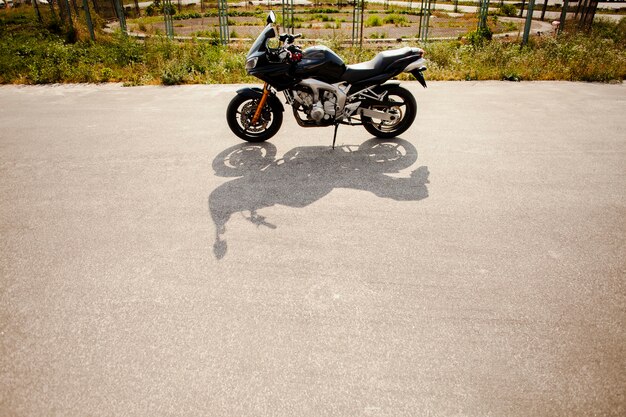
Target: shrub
{"points": [[321, 17], [106, 74], [174, 73], [608, 29], [507, 9], [31, 54], [394, 19], [376, 35], [157, 8], [154, 8], [373, 21], [478, 37]]}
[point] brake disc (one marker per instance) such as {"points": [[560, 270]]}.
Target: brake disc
{"points": [[247, 114]]}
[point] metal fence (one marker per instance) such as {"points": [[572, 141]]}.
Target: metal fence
{"points": [[582, 11]]}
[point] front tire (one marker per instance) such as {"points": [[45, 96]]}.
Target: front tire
{"points": [[239, 117], [405, 108]]}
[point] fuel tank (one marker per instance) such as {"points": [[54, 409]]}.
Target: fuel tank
{"points": [[321, 63]]}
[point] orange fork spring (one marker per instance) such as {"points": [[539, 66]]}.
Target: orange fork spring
{"points": [[257, 113]]}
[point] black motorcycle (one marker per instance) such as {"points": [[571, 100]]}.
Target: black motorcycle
{"points": [[322, 90]]}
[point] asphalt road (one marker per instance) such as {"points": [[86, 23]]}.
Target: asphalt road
{"points": [[153, 264]]}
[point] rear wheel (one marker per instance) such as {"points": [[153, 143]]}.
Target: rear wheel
{"points": [[404, 109], [240, 113]]}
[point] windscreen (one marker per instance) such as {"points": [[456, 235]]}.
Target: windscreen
{"points": [[259, 43]]}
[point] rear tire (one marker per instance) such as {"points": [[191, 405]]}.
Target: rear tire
{"points": [[406, 110], [239, 117]]}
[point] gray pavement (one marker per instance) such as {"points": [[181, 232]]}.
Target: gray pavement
{"points": [[153, 264]]}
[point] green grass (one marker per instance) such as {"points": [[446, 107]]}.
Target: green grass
{"points": [[373, 21], [572, 57], [32, 54], [395, 19]]}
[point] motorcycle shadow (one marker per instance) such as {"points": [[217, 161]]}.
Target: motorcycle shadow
{"points": [[306, 174]]}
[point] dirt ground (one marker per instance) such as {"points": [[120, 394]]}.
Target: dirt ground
{"points": [[441, 26]]}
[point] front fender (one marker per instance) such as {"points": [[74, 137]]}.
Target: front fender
{"points": [[256, 92]]}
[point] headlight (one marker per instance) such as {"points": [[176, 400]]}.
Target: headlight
{"points": [[251, 63]]}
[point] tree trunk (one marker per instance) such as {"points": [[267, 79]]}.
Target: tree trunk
{"points": [[62, 11], [37, 12], [543, 9], [52, 13]]}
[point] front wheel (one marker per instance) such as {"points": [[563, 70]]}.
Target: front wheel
{"points": [[240, 114], [401, 104]]}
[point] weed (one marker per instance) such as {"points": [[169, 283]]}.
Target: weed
{"points": [[373, 21], [395, 19], [507, 9], [106, 74], [376, 35], [33, 54], [478, 37]]}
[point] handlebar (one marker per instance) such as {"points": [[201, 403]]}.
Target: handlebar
{"points": [[288, 52], [288, 38]]}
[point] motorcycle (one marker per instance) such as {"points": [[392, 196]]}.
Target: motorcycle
{"points": [[322, 90]]}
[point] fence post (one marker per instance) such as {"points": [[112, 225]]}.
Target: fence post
{"points": [[483, 11], [36, 6], [529, 21], [69, 14], [357, 22], [88, 19], [563, 15], [223, 18], [424, 19], [120, 15], [543, 9], [167, 16], [52, 12], [288, 25]]}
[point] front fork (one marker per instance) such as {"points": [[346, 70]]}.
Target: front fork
{"points": [[259, 109]]}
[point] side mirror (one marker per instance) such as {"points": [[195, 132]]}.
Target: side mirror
{"points": [[271, 18]]}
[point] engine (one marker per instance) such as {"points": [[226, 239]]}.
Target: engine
{"points": [[324, 108]]}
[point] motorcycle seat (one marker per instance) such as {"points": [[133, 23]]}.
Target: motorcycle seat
{"points": [[364, 70]]}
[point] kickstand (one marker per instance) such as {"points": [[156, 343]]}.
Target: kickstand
{"points": [[335, 135]]}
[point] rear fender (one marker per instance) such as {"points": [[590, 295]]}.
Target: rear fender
{"points": [[416, 69], [419, 76], [256, 92]]}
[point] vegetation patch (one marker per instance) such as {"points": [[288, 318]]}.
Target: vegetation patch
{"points": [[31, 53]]}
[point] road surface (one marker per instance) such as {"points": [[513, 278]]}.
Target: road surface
{"points": [[153, 264]]}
